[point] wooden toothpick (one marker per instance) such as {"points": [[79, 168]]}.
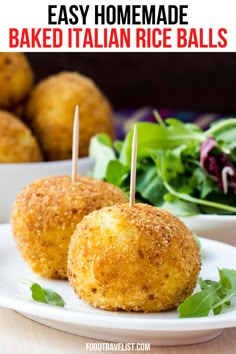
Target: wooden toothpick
{"points": [[75, 146], [133, 168]]}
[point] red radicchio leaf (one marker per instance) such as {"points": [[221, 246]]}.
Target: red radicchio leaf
{"points": [[213, 164]]}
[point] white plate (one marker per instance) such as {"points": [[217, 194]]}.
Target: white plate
{"points": [[81, 319], [215, 227]]}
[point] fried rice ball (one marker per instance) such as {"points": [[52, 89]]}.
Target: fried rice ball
{"points": [[50, 112], [46, 213], [134, 259], [16, 79], [17, 144]]}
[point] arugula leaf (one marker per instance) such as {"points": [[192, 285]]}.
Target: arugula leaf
{"points": [[38, 293], [214, 296], [228, 278], [116, 173], [181, 208], [202, 182], [156, 136], [118, 145], [188, 197], [199, 304], [101, 149], [53, 298], [149, 185], [46, 296], [224, 131]]}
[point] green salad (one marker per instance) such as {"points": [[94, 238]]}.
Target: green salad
{"points": [[179, 167]]}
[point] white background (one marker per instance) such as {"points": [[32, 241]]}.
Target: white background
{"points": [[201, 14]]}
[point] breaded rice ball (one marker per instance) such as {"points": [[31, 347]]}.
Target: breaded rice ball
{"points": [[50, 112], [134, 259], [16, 79], [46, 213], [17, 144]]}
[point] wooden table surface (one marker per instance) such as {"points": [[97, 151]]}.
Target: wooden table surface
{"points": [[19, 335]]}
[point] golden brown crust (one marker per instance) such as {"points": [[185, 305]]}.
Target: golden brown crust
{"points": [[17, 144], [16, 79], [50, 111], [134, 259], [46, 213]]}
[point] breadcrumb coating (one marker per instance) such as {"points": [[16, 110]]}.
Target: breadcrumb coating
{"points": [[133, 259], [46, 213], [16, 79], [17, 143], [50, 112]]}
